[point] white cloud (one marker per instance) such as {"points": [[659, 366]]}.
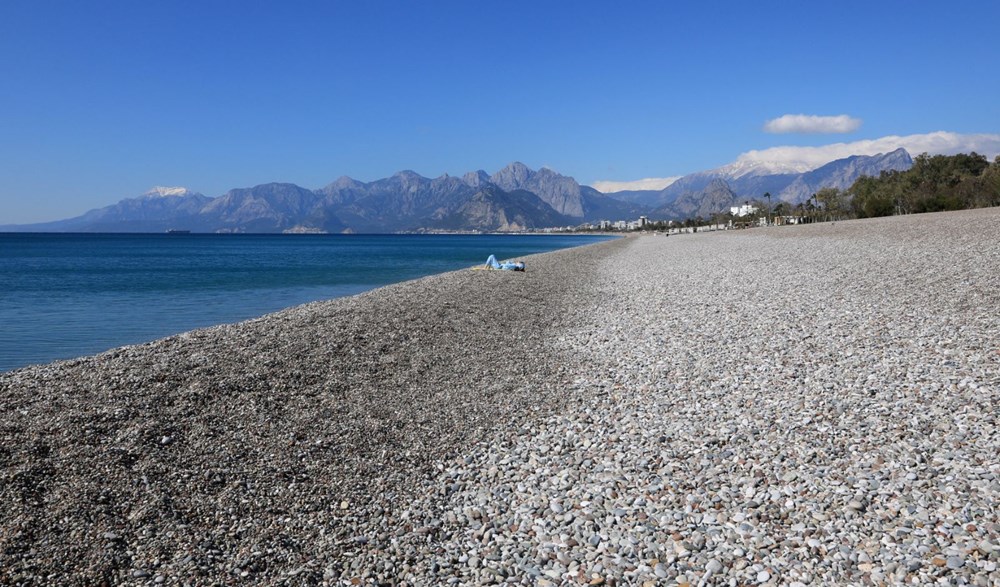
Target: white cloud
{"points": [[811, 124], [790, 159], [649, 183], [935, 143]]}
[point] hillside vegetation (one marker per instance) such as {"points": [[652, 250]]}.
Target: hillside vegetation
{"points": [[934, 184]]}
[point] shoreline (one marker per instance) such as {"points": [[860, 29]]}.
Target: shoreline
{"points": [[90, 315], [798, 405], [344, 394]]}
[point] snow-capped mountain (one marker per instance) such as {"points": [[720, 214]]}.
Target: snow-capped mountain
{"points": [[750, 179], [744, 167], [167, 192]]}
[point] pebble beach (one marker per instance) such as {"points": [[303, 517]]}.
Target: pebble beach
{"points": [[801, 405]]}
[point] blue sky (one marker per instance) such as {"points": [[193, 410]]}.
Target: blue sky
{"points": [[103, 100]]}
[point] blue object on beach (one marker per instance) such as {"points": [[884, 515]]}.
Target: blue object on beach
{"points": [[64, 295], [492, 263]]}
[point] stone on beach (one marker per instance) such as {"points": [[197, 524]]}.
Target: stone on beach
{"points": [[798, 405]]}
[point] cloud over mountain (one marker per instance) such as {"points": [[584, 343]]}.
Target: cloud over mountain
{"points": [[811, 124], [935, 143], [797, 159], [648, 183]]}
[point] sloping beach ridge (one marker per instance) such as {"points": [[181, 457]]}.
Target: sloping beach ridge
{"points": [[797, 405]]}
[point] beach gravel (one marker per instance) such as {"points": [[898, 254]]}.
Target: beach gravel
{"points": [[789, 406]]}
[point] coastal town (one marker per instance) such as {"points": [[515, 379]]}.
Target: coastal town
{"points": [[738, 217]]}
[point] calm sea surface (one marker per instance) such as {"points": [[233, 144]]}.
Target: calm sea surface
{"points": [[69, 295]]}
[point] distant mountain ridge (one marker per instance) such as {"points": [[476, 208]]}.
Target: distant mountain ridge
{"points": [[515, 198], [704, 192]]}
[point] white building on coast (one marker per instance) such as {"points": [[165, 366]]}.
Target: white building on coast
{"points": [[744, 210]]}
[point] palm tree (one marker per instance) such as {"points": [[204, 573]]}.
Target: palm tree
{"points": [[780, 210]]}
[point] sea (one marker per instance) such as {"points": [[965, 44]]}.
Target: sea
{"points": [[69, 295]]}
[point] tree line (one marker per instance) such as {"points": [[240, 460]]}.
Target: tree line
{"points": [[934, 184]]}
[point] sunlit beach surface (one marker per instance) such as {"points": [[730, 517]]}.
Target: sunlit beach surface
{"points": [[799, 405]]}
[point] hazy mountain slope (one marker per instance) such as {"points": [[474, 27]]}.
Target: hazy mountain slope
{"points": [[598, 206], [157, 210], [646, 198], [271, 207], [715, 197], [492, 209], [405, 201], [842, 174]]}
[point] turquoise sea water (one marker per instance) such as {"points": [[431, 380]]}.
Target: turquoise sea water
{"points": [[69, 295]]}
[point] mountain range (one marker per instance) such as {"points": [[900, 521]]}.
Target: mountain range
{"points": [[707, 192], [514, 198]]}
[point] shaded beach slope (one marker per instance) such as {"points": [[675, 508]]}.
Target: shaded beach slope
{"points": [[259, 436]]}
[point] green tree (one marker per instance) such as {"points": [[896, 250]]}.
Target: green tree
{"points": [[989, 185], [832, 201], [868, 199], [934, 183]]}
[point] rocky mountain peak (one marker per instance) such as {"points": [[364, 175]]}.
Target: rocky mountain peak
{"points": [[512, 177], [900, 155], [344, 182], [476, 178], [408, 180]]}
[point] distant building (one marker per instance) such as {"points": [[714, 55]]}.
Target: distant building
{"points": [[744, 210]]}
